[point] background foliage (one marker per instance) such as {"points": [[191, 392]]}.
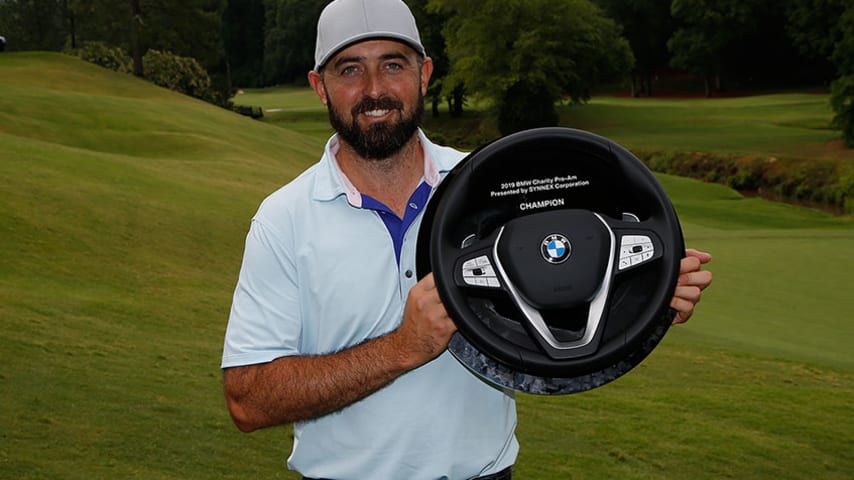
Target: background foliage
{"points": [[520, 55]]}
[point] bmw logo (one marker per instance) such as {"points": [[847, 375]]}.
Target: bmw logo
{"points": [[555, 248]]}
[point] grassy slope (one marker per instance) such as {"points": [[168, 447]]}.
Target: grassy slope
{"points": [[782, 125], [122, 214]]}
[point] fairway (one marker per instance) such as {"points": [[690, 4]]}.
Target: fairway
{"points": [[123, 211], [779, 125]]}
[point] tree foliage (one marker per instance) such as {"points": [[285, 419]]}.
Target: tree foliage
{"points": [[526, 55], [813, 25], [189, 28], [99, 53], [243, 41], [180, 74], [647, 25], [291, 29], [522, 56], [33, 24], [842, 91], [706, 31], [430, 27]]}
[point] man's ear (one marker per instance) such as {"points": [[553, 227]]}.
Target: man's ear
{"points": [[426, 73], [316, 81]]}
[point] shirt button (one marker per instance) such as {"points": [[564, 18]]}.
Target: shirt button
{"points": [[413, 206], [408, 274]]}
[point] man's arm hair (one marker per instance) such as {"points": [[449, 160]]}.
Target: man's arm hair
{"points": [[295, 388]]}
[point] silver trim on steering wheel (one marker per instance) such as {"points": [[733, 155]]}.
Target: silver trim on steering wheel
{"points": [[597, 304]]}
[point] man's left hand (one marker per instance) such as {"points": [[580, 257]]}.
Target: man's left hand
{"points": [[692, 282]]}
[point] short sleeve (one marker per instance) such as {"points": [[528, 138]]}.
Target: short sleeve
{"points": [[264, 323]]}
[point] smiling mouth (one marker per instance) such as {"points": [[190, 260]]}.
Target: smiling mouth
{"points": [[376, 113]]}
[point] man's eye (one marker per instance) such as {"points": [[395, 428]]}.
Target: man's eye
{"points": [[349, 71]]}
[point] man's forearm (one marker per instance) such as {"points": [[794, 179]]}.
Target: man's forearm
{"points": [[297, 388]]}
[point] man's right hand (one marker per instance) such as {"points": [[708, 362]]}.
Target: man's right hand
{"points": [[426, 328]]}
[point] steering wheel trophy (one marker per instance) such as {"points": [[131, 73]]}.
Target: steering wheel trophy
{"points": [[556, 252]]}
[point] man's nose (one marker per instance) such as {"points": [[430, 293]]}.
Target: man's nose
{"points": [[374, 84]]}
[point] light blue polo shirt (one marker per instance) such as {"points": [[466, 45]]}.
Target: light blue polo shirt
{"points": [[321, 272]]}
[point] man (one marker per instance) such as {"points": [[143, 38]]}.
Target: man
{"points": [[329, 328]]}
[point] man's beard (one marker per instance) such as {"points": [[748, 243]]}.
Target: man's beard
{"points": [[381, 139]]}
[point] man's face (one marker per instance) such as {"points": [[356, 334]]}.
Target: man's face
{"points": [[374, 91]]}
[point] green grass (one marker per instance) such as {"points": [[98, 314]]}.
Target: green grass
{"points": [[781, 125], [123, 209], [795, 125], [294, 108]]}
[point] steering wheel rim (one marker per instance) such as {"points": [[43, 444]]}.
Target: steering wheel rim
{"points": [[532, 240]]}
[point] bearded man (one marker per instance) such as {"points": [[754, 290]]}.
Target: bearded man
{"points": [[329, 327]]}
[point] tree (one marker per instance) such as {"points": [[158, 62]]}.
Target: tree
{"points": [[814, 27], [33, 24], [243, 41], [430, 25], [291, 30], [647, 25], [189, 28], [524, 56], [842, 89], [135, 32], [706, 31]]}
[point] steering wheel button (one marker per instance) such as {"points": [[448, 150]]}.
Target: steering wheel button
{"points": [[493, 282], [482, 260]]}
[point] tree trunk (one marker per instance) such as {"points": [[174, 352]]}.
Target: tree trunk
{"points": [[457, 105], [72, 31], [135, 29]]}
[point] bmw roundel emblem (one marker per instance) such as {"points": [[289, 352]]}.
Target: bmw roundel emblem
{"points": [[555, 248]]}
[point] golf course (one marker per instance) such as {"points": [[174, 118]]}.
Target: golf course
{"points": [[123, 213]]}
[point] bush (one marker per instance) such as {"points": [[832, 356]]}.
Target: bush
{"points": [[181, 74], [526, 106], [842, 100], [101, 54], [823, 182]]}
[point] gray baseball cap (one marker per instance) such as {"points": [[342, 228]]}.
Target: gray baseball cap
{"points": [[344, 22]]}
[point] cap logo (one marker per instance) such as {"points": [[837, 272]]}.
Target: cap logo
{"points": [[555, 248]]}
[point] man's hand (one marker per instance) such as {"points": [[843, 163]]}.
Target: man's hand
{"points": [[426, 328], [692, 282]]}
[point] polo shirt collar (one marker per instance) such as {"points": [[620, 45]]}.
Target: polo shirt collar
{"points": [[331, 182]]}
